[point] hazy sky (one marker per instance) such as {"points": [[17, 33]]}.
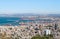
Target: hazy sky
{"points": [[29, 6]]}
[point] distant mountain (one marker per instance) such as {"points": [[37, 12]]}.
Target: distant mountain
{"points": [[54, 15], [26, 14], [18, 15], [29, 14]]}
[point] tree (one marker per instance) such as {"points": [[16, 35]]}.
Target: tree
{"points": [[36, 37], [43, 37]]}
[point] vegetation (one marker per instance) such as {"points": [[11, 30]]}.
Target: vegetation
{"points": [[43, 37]]}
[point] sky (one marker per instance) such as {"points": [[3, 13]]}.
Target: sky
{"points": [[30, 6]]}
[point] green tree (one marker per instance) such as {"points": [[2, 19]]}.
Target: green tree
{"points": [[36, 37], [43, 37]]}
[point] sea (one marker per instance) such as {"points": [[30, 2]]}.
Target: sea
{"points": [[12, 21], [16, 20]]}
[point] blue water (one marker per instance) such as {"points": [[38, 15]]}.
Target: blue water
{"points": [[12, 20], [17, 20], [7, 20]]}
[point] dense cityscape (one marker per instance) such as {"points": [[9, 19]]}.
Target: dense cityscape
{"points": [[30, 26]]}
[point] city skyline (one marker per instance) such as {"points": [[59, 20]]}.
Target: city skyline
{"points": [[30, 6]]}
